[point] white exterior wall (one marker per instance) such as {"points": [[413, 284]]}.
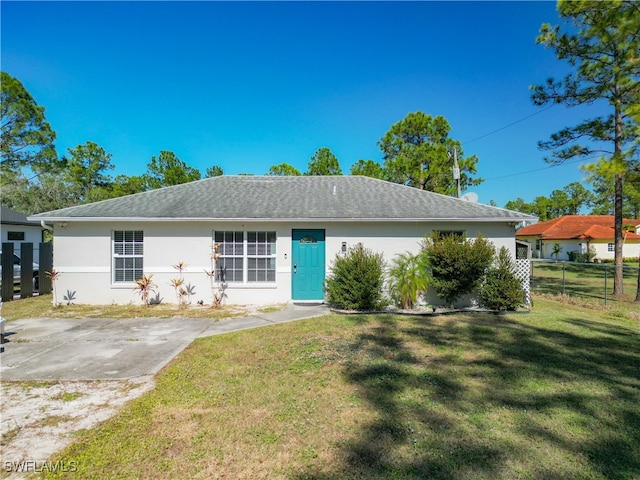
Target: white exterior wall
{"points": [[32, 234], [630, 249], [82, 254]]}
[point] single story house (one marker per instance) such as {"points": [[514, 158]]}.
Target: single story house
{"points": [[577, 234], [275, 237], [16, 228]]}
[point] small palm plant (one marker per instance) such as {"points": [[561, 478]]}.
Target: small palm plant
{"points": [[409, 277], [177, 283], [216, 278], [145, 287], [54, 275], [183, 293], [556, 250]]}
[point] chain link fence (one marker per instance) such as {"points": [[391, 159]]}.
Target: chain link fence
{"points": [[588, 280]]}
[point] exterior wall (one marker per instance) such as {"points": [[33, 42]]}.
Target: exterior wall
{"points": [[631, 249], [82, 254], [32, 234]]}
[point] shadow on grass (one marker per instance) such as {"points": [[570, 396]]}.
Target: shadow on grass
{"points": [[488, 397]]}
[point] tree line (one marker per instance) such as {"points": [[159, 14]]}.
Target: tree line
{"points": [[416, 151]]}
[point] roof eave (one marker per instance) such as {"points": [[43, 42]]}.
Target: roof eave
{"points": [[514, 220]]}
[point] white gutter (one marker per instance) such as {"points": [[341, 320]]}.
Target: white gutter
{"points": [[45, 226]]}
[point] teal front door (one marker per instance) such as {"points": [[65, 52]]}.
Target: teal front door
{"points": [[307, 265]]}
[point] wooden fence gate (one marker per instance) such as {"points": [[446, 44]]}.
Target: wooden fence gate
{"points": [[27, 270]]}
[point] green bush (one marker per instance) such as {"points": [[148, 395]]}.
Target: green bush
{"points": [[458, 265], [409, 277], [356, 280], [502, 290], [587, 257]]}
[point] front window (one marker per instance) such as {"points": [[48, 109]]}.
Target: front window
{"points": [[246, 257], [230, 267], [611, 247], [127, 255], [15, 236]]}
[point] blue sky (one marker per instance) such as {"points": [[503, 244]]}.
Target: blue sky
{"points": [[248, 85]]}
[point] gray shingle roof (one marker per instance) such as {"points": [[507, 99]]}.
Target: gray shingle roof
{"points": [[286, 198], [12, 217]]}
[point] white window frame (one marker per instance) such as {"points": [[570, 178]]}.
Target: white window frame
{"points": [[127, 254], [257, 256]]}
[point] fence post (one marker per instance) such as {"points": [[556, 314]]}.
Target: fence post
{"points": [[7, 272], [605, 285], [563, 276], [26, 270], [46, 265]]}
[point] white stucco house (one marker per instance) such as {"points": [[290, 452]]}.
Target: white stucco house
{"points": [[578, 234], [16, 228], [276, 236]]}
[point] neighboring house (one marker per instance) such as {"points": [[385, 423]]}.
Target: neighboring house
{"points": [[577, 234], [16, 228], [277, 236]]}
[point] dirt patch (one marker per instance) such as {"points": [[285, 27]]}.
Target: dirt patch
{"points": [[40, 418]]}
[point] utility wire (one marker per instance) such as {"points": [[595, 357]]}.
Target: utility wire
{"points": [[509, 125], [544, 168]]}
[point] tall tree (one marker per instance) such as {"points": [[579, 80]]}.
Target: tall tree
{"points": [[369, 168], [601, 45], [578, 198], [85, 170], [214, 171], [127, 185], [519, 205], [283, 170], [167, 170], [27, 139], [324, 162], [418, 152]]}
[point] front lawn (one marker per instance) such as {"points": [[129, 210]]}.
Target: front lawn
{"points": [[42, 307], [550, 394]]}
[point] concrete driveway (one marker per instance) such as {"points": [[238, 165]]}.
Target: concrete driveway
{"points": [[107, 349]]}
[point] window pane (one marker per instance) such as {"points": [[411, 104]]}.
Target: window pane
{"points": [[128, 250]]}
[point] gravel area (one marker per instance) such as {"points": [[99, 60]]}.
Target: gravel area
{"points": [[40, 418]]}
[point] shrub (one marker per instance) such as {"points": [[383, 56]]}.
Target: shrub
{"points": [[587, 257], [409, 277], [458, 265], [502, 290], [356, 280]]}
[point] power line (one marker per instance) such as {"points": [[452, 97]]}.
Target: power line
{"points": [[540, 169], [509, 125]]}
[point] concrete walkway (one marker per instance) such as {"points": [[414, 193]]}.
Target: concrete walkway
{"points": [[107, 349]]}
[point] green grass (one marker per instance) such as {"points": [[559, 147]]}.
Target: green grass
{"points": [[583, 280], [550, 394]]}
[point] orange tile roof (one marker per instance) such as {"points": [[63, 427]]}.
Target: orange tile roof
{"points": [[587, 227]]}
